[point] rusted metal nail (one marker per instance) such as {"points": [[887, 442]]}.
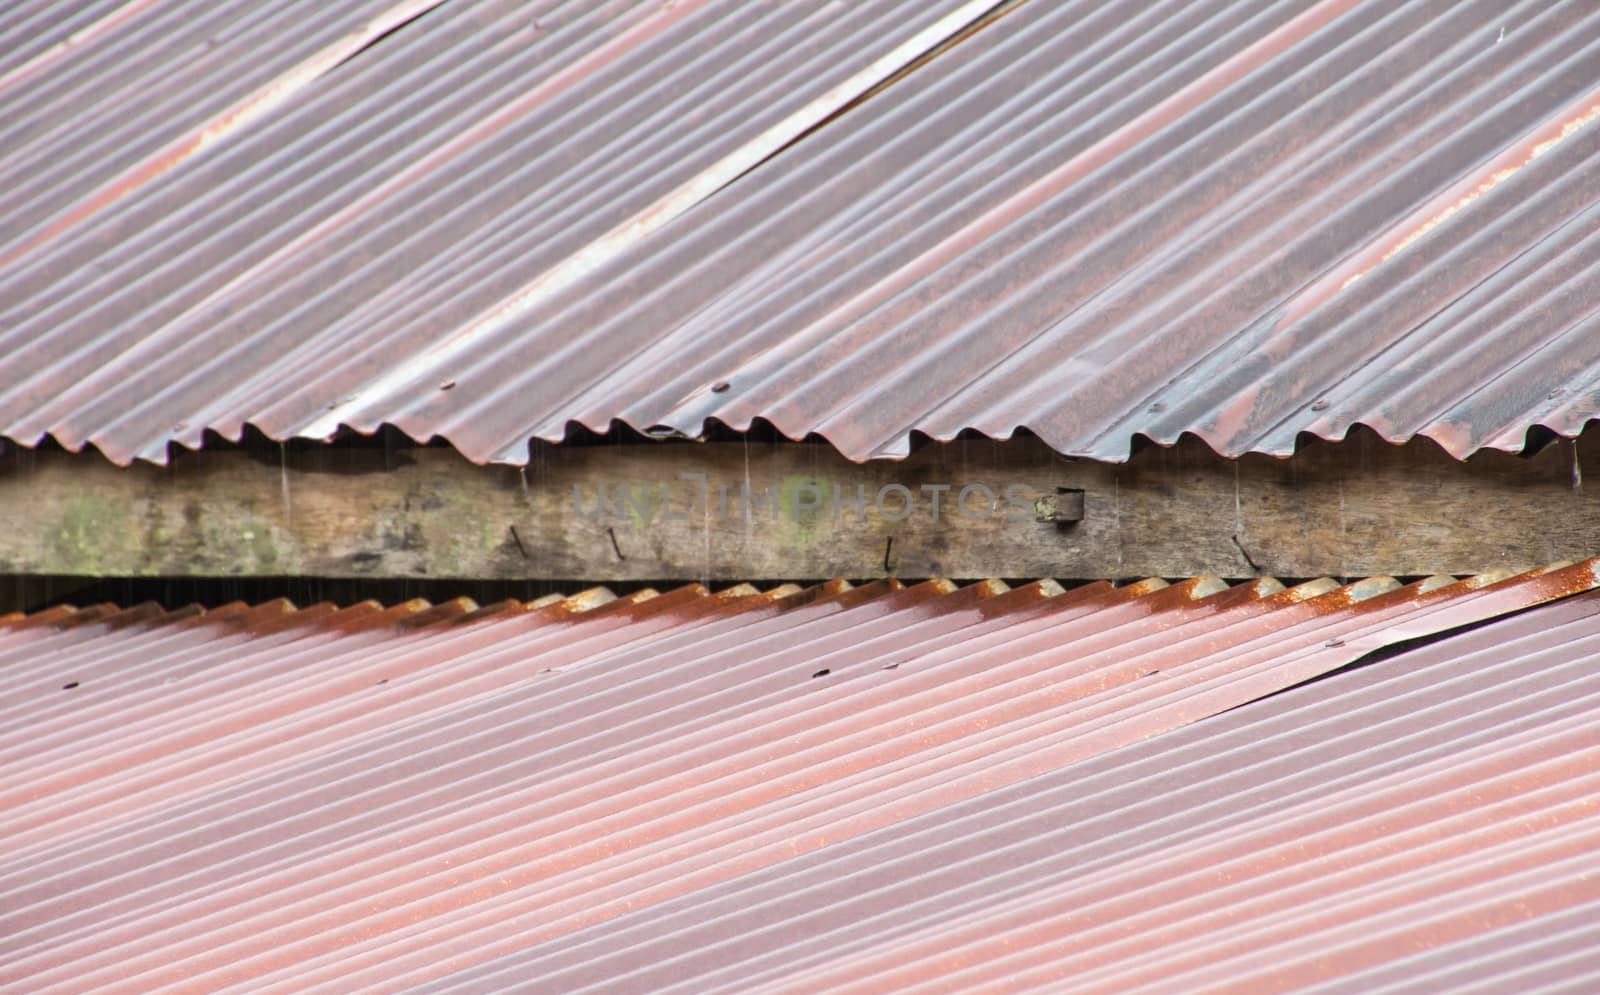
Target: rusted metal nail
{"points": [[447, 385], [720, 387], [1334, 643], [824, 672]]}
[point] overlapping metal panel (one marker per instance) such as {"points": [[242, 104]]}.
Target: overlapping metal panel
{"points": [[803, 782], [1245, 220]]}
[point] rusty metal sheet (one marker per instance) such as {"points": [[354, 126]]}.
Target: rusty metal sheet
{"points": [[1242, 221], [395, 197], [347, 798], [1093, 221], [98, 101], [1395, 828]]}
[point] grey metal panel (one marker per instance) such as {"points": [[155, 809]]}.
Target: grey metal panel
{"points": [[384, 205], [1246, 220]]}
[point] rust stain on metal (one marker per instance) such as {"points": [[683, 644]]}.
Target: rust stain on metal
{"points": [[1240, 223], [1460, 196]]}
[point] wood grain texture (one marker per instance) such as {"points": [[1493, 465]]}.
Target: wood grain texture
{"points": [[1350, 509]]}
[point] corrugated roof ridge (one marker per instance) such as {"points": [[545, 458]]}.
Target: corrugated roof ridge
{"points": [[278, 613]]}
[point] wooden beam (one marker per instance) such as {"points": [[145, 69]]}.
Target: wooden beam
{"points": [[730, 511]]}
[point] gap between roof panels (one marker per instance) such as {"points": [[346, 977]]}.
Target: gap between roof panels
{"points": [[994, 14], [1422, 640]]}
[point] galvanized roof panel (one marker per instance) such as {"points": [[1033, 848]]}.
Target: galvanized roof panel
{"points": [[1299, 223], [338, 798], [1093, 221], [381, 204], [104, 105]]}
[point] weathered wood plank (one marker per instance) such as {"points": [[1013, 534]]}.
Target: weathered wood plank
{"points": [[779, 511]]}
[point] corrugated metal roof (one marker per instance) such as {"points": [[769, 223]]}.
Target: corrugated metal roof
{"points": [[1243, 220], [340, 799], [102, 105], [347, 214], [1413, 826]]}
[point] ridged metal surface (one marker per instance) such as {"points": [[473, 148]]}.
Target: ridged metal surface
{"points": [[31, 29], [396, 201], [1243, 220], [370, 799], [1424, 824], [1101, 220], [97, 100]]}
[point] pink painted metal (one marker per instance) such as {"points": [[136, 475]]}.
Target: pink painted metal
{"points": [[345, 798]]}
